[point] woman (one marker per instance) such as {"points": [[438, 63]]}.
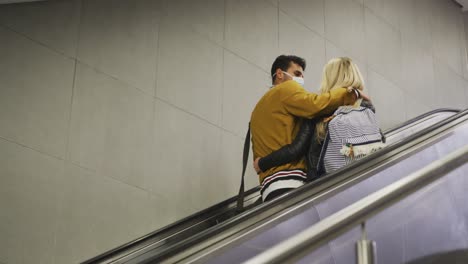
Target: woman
{"points": [[337, 73]]}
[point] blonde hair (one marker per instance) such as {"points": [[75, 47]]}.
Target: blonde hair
{"points": [[338, 73]]}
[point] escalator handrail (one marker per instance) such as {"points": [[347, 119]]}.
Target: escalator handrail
{"points": [[160, 232], [420, 117], [165, 231], [182, 245], [340, 222]]}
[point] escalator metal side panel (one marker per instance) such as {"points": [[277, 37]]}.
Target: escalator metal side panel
{"points": [[429, 226]]}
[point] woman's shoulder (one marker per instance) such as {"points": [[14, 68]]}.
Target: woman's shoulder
{"points": [[368, 104]]}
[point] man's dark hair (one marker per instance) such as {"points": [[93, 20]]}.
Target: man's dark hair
{"points": [[283, 62]]}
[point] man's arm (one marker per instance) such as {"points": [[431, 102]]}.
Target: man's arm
{"points": [[291, 152], [298, 102]]}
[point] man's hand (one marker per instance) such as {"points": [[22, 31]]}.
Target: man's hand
{"points": [[364, 96], [354, 95], [256, 167]]}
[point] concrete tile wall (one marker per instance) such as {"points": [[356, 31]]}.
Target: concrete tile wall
{"points": [[111, 127], [53, 23], [417, 71], [186, 149], [93, 208], [388, 98], [35, 94], [383, 47], [240, 95], [452, 94], [464, 38], [206, 17], [387, 10], [466, 89], [194, 85], [344, 26], [134, 112], [120, 39], [446, 27], [310, 13], [415, 23], [311, 47], [28, 198], [251, 30]]}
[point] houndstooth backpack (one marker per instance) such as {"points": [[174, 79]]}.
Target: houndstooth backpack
{"points": [[352, 134]]}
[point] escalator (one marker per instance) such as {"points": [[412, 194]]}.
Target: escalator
{"points": [[306, 206], [421, 218], [208, 236]]}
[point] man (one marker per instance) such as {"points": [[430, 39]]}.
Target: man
{"points": [[275, 121]]}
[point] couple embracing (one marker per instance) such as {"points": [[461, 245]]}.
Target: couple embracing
{"points": [[298, 136]]}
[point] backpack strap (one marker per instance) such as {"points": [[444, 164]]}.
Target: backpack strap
{"points": [[245, 157], [321, 166]]}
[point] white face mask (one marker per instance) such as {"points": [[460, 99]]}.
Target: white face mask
{"points": [[299, 80]]}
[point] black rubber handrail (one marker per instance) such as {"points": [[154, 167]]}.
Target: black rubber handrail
{"points": [[170, 229], [420, 117], [214, 211], [183, 245]]}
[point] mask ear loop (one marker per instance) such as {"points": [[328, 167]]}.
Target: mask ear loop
{"points": [[356, 91], [358, 96], [276, 74], [272, 78]]}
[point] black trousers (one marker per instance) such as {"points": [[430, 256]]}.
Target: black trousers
{"points": [[277, 193]]}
